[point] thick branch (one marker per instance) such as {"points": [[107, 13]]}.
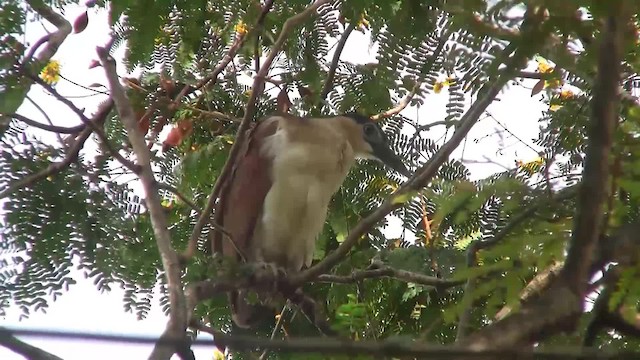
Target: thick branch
{"points": [[170, 261], [593, 189]]}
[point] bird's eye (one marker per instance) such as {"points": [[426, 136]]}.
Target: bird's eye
{"points": [[369, 130]]}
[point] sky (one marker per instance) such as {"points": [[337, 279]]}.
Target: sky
{"points": [[85, 309]]}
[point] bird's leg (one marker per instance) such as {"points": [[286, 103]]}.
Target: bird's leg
{"points": [[268, 272]]}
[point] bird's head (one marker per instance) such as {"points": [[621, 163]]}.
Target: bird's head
{"points": [[370, 142]]}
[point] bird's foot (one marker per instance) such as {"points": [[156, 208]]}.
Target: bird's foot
{"points": [[269, 273]]}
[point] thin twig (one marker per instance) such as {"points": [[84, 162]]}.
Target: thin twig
{"points": [[71, 154], [97, 129], [47, 127], [276, 328], [389, 272], [49, 121], [401, 105], [328, 83], [181, 196], [196, 208]]}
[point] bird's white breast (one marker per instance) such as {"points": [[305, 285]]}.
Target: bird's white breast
{"points": [[305, 175]]}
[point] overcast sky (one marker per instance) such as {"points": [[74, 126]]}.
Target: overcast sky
{"points": [[84, 309]]}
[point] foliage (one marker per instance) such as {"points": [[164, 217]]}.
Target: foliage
{"points": [[85, 217]]}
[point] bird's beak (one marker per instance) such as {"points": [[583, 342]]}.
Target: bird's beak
{"points": [[384, 153]]}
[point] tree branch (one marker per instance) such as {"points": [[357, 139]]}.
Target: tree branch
{"points": [[46, 127], [539, 283], [177, 324], [400, 348], [328, 83], [389, 272], [71, 153], [229, 56], [401, 105], [257, 87], [30, 352], [593, 189], [99, 131]]}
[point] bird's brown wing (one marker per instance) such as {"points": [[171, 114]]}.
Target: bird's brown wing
{"points": [[240, 206]]}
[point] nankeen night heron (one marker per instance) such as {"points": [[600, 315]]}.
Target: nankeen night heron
{"points": [[275, 203]]}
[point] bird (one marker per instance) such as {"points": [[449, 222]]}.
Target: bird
{"points": [[275, 203]]}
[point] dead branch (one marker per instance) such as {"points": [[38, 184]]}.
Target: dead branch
{"points": [[177, 324], [71, 153], [257, 87]]}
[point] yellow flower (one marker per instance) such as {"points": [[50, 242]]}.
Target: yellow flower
{"points": [[437, 87], [450, 81], [553, 83], [218, 355], [363, 23], [566, 94], [554, 108], [241, 28], [544, 67], [531, 167], [51, 73]]}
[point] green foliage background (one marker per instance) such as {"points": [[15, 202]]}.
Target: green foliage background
{"points": [[83, 218]]}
